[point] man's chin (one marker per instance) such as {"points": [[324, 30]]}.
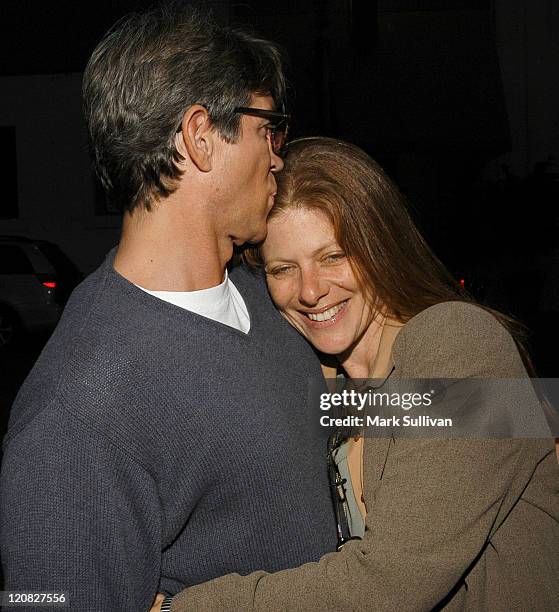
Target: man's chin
{"points": [[254, 240], [258, 237]]}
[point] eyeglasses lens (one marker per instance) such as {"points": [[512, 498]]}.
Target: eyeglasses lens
{"points": [[278, 137]]}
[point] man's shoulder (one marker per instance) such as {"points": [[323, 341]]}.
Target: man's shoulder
{"points": [[107, 310], [245, 277], [85, 299], [92, 362], [251, 284]]}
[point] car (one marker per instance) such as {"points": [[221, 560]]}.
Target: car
{"points": [[35, 280]]}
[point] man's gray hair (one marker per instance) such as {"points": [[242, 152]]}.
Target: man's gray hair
{"points": [[144, 74]]}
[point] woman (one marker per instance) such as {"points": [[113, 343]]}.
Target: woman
{"points": [[450, 523]]}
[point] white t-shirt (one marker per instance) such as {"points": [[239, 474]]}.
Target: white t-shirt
{"points": [[222, 303]]}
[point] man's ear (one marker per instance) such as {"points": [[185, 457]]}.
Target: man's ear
{"points": [[196, 137]]}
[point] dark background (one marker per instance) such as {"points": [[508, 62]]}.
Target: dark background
{"points": [[457, 99]]}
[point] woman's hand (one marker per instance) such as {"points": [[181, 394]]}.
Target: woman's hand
{"points": [[156, 607]]}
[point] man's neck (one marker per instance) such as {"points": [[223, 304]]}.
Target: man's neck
{"points": [[159, 251]]}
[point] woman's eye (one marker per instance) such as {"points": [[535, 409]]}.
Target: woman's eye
{"points": [[334, 257], [280, 271]]}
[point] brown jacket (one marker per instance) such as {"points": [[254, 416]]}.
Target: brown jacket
{"points": [[462, 524]]}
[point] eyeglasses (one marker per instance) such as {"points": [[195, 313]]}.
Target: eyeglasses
{"points": [[336, 480], [337, 490], [278, 126]]}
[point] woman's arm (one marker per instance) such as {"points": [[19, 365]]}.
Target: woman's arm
{"points": [[430, 518], [433, 504]]}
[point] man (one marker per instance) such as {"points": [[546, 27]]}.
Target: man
{"points": [[161, 439]]}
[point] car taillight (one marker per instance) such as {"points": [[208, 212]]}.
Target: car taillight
{"points": [[47, 280], [462, 283]]}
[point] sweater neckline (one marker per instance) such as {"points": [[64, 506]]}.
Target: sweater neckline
{"points": [[174, 311]]}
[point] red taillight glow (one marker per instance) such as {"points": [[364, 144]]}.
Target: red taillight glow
{"points": [[462, 283], [49, 284]]}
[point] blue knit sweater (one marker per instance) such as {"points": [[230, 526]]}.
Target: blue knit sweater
{"points": [[152, 448]]}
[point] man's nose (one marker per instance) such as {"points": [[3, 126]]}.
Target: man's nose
{"points": [[276, 160], [313, 288]]}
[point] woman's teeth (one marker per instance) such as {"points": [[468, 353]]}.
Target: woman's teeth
{"points": [[327, 314]]}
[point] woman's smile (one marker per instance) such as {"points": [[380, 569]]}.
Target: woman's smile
{"points": [[327, 316]]}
